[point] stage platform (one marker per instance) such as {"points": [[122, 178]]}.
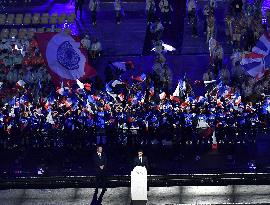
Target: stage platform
{"points": [[169, 165], [115, 181], [156, 196]]}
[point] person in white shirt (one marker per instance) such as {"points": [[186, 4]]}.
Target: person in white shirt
{"points": [[258, 88], [237, 73], [206, 13], [118, 9], [225, 76], [96, 49], [150, 10], [159, 48], [13, 75], [7, 61], [45, 75], [236, 57], [208, 75], [247, 88], [25, 42], [28, 77], [86, 43], [193, 22], [191, 5], [166, 78], [156, 28], [212, 46], [17, 59], [6, 45], [218, 58], [94, 7], [229, 27], [210, 27], [166, 9], [2, 44]]}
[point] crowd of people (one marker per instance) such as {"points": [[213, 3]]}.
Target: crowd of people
{"points": [[132, 109], [12, 2], [243, 22], [94, 7], [163, 6], [145, 106]]}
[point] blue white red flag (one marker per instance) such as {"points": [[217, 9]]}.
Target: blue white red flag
{"points": [[236, 98], [180, 89], [257, 62], [162, 96], [152, 89], [140, 78]]}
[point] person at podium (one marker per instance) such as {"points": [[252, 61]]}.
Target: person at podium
{"points": [[141, 160]]}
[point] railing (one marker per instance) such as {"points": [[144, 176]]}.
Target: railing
{"points": [[223, 179]]}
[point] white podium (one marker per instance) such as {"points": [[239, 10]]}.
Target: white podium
{"points": [[139, 185]]}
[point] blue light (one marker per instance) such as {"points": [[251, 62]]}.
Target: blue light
{"points": [[252, 165]]}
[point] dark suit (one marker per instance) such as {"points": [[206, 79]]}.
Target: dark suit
{"points": [[101, 176], [144, 163], [78, 5]]}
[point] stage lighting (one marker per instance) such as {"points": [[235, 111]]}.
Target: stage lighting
{"points": [[166, 47], [40, 171], [252, 165]]}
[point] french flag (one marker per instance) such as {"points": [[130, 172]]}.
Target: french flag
{"points": [[47, 105], [152, 89], [68, 102], [200, 99], [219, 103], [140, 78], [121, 96], [162, 96], [257, 62], [9, 127], [236, 98], [177, 90], [20, 83]]}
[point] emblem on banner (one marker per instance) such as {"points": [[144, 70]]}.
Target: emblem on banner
{"points": [[67, 56]]}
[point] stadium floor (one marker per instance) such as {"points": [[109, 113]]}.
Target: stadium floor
{"points": [[156, 195]]}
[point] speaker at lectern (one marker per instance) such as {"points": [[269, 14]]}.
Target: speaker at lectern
{"points": [[139, 186]]}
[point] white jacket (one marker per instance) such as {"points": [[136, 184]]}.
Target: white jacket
{"points": [[94, 5], [117, 5]]}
